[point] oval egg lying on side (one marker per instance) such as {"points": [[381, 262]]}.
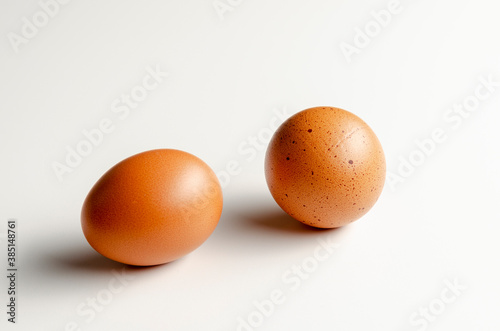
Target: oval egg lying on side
{"points": [[152, 208]]}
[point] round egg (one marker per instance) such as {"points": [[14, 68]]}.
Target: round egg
{"points": [[325, 167], [152, 208]]}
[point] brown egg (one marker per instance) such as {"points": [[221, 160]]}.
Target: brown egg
{"points": [[152, 208], [325, 167]]}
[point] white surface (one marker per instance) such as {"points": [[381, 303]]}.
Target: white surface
{"points": [[227, 79]]}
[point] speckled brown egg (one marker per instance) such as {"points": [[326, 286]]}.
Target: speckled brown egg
{"points": [[152, 208], [325, 167]]}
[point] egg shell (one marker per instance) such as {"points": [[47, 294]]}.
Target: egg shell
{"points": [[152, 208], [325, 167]]}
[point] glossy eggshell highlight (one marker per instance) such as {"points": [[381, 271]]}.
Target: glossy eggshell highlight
{"points": [[325, 167], [152, 208]]}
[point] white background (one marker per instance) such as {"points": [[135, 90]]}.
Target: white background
{"points": [[229, 76]]}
